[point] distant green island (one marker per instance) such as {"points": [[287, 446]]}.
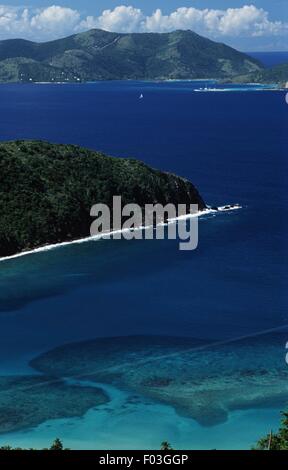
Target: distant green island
{"points": [[101, 55], [274, 75], [47, 191]]}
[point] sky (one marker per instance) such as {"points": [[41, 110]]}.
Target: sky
{"points": [[255, 25]]}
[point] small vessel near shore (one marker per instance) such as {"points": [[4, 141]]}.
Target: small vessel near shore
{"points": [[209, 89]]}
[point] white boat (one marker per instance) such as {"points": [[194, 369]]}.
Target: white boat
{"points": [[141, 97]]}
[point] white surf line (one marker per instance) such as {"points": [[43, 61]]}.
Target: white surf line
{"points": [[236, 90], [108, 235]]}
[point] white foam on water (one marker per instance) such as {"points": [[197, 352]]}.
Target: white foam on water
{"points": [[235, 89], [108, 235]]}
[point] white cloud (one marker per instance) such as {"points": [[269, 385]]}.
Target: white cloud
{"points": [[249, 20], [121, 19], [182, 18], [245, 21], [12, 20], [56, 21], [40, 24]]}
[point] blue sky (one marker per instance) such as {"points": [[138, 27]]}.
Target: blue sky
{"points": [[246, 25], [277, 8]]}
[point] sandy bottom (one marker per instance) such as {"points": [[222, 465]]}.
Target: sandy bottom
{"points": [[130, 421], [136, 392]]}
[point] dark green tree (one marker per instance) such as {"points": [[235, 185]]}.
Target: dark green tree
{"points": [[57, 445], [278, 441], [166, 446]]}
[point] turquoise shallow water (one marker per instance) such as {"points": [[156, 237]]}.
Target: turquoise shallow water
{"points": [[131, 422], [249, 377], [233, 147], [133, 419]]}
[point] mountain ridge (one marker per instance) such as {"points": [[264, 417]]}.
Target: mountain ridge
{"points": [[103, 55]]}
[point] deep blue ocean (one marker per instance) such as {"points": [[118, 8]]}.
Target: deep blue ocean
{"points": [[233, 147], [271, 59]]}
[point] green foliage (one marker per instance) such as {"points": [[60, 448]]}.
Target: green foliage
{"points": [[102, 55], [57, 445], [47, 191], [277, 74], [165, 446], [278, 441]]}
